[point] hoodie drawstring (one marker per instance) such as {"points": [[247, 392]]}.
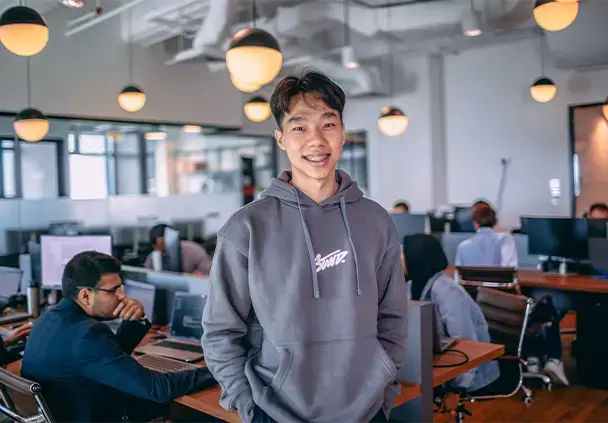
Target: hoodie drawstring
{"points": [[311, 253], [350, 240]]}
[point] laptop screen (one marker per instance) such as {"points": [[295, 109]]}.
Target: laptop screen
{"points": [[188, 315], [145, 293], [10, 279]]}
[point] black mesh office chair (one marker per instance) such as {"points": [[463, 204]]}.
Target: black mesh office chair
{"points": [[22, 399]]}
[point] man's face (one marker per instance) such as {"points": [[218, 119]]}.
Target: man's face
{"points": [[598, 214], [160, 244], [312, 135], [400, 209], [101, 302]]}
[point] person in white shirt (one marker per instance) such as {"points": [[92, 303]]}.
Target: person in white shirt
{"points": [[491, 248]]}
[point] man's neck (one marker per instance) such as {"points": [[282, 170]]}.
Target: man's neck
{"points": [[317, 190]]}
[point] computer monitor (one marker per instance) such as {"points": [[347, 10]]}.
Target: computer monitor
{"points": [[173, 250], [56, 251], [10, 280], [186, 321], [561, 237], [143, 292], [463, 220], [598, 228], [409, 224]]}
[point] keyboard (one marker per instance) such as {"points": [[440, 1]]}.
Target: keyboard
{"points": [[163, 364], [195, 348], [13, 317]]}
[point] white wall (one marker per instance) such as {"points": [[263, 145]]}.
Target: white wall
{"points": [[399, 167], [490, 115], [83, 74]]}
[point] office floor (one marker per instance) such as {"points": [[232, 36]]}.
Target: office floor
{"points": [[572, 404]]}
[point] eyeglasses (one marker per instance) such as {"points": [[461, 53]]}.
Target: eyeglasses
{"points": [[118, 290]]}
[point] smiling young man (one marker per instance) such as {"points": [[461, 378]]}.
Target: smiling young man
{"points": [[306, 315]]}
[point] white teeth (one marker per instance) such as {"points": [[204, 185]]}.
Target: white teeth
{"points": [[316, 158]]}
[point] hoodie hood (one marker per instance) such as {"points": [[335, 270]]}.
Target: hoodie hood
{"points": [[348, 192]]}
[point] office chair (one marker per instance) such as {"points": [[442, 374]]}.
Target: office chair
{"points": [[503, 279], [29, 396]]}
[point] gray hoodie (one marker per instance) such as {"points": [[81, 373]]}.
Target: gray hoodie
{"points": [[307, 309]]}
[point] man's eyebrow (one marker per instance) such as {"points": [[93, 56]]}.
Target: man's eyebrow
{"points": [[329, 114], [296, 119]]}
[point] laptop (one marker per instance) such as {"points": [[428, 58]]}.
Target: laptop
{"points": [[441, 342], [143, 292], [185, 330]]}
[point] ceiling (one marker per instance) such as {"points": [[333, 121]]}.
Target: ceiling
{"points": [[314, 32]]}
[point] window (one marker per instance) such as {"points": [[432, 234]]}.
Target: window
{"points": [[104, 165], [39, 170], [9, 171], [354, 158]]}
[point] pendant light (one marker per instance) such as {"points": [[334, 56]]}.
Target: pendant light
{"points": [[132, 98], [30, 124], [349, 59], [555, 15], [246, 87], [23, 31], [257, 109], [73, 4], [392, 121], [543, 90], [605, 109], [254, 56]]}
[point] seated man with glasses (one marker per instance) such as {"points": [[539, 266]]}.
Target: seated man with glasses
{"points": [[86, 371]]}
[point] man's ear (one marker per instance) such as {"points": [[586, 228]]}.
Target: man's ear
{"points": [[85, 296], [278, 135]]}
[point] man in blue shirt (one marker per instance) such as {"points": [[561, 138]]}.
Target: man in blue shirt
{"points": [[487, 247]]}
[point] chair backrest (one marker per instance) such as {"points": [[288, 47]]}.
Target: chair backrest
{"points": [[507, 315], [22, 399], [487, 276]]}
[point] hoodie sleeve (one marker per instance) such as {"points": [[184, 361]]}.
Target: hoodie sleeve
{"points": [[392, 309], [224, 326]]}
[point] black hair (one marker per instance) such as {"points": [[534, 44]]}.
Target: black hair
{"points": [[85, 269], [481, 203], [157, 231], [424, 258], [403, 204], [311, 81], [601, 207], [484, 216]]}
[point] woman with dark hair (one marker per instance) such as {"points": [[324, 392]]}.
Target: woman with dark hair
{"points": [[423, 263]]}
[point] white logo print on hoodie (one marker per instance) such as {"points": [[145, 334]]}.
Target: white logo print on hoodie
{"points": [[330, 260]]}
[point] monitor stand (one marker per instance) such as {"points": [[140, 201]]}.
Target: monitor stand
{"points": [[565, 267]]}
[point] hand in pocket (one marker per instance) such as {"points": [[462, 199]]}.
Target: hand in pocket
{"points": [[259, 416]]}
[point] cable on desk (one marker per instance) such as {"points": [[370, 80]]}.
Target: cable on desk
{"points": [[462, 353]]}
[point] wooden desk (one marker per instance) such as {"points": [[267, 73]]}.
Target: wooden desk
{"points": [[208, 401], [478, 353], [578, 283], [537, 279]]}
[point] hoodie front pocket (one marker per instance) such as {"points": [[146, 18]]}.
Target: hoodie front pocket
{"points": [[335, 381]]}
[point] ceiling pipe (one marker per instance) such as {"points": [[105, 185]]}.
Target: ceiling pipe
{"points": [[103, 17]]}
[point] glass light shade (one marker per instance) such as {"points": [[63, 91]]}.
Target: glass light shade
{"points": [[553, 15], [392, 121], [246, 87], [132, 99], [543, 90], [155, 136], [72, 3], [254, 57], [23, 31], [31, 125], [192, 129], [257, 109]]}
